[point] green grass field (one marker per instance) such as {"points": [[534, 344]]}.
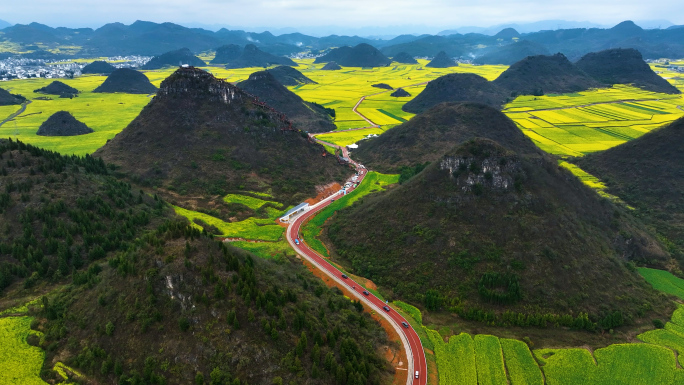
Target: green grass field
{"points": [[20, 363], [374, 181], [664, 281], [246, 200]]}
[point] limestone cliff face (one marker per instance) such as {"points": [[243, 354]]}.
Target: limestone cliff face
{"points": [[494, 172], [190, 82]]}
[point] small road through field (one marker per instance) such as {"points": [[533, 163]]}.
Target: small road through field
{"points": [[409, 338], [14, 115], [372, 124]]}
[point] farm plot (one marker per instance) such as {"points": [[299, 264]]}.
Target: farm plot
{"points": [[665, 338], [246, 200], [664, 281], [577, 124], [521, 366], [20, 363], [250, 228], [489, 360], [456, 360], [345, 138]]}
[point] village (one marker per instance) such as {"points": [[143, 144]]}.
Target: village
{"points": [[24, 68]]}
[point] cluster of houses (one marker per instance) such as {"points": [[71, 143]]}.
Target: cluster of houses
{"points": [[23, 68]]}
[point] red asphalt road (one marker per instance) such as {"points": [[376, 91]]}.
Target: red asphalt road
{"points": [[414, 350]]}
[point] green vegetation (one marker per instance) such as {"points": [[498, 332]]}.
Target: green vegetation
{"points": [[106, 114], [251, 202], [250, 228], [373, 181], [225, 298], [521, 366], [20, 363], [455, 360], [664, 281], [590, 121], [490, 365]]}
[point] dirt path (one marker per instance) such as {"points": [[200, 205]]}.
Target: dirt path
{"points": [[14, 115], [373, 124]]}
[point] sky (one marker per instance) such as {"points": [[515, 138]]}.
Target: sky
{"points": [[414, 16]]}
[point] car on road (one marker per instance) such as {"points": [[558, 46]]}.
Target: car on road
{"points": [[365, 292], [344, 276], [404, 324], [296, 241], [417, 374], [386, 308]]}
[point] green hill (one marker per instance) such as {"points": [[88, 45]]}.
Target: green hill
{"points": [[174, 58], [512, 53], [539, 75], [305, 116], [458, 87], [227, 53], [98, 67], [484, 230], [57, 88], [430, 134], [647, 174], [442, 60], [331, 66], [7, 99], [252, 56], [289, 76], [127, 81], [404, 58], [624, 66], [362, 55], [62, 123], [202, 135]]}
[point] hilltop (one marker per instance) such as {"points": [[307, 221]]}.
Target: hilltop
{"points": [[646, 173], [62, 123], [430, 134], [202, 135], [507, 34], [442, 60], [98, 67], [458, 87], [217, 314], [57, 88], [252, 56], [525, 238], [539, 75], [331, 66], [7, 99], [400, 93], [624, 66], [289, 76], [362, 55], [305, 116], [404, 58], [127, 81], [512, 53], [174, 58], [227, 53]]}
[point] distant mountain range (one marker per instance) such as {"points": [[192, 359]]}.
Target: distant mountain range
{"points": [[4, 24], [148, 38]]}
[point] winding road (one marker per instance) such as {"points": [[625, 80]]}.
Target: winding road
{"points": [[409, 338], [14, 115]]}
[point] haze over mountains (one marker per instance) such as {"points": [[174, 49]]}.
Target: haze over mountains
{"points": [[147, 38]]}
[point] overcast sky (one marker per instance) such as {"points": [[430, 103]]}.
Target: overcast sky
{"points": [[433, 14]]}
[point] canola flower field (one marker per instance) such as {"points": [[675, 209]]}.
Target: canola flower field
{"points": [[485, 359]]}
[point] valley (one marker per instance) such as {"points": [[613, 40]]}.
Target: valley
{"points": [[489, 236]]}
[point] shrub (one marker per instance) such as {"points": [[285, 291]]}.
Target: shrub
{"points": [[658, 324]]}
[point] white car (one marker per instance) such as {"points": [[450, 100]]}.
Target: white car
{"points": [[417, 374]]}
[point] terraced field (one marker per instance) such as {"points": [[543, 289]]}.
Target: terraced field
{"points": [[663, 281], [595, 120]]}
